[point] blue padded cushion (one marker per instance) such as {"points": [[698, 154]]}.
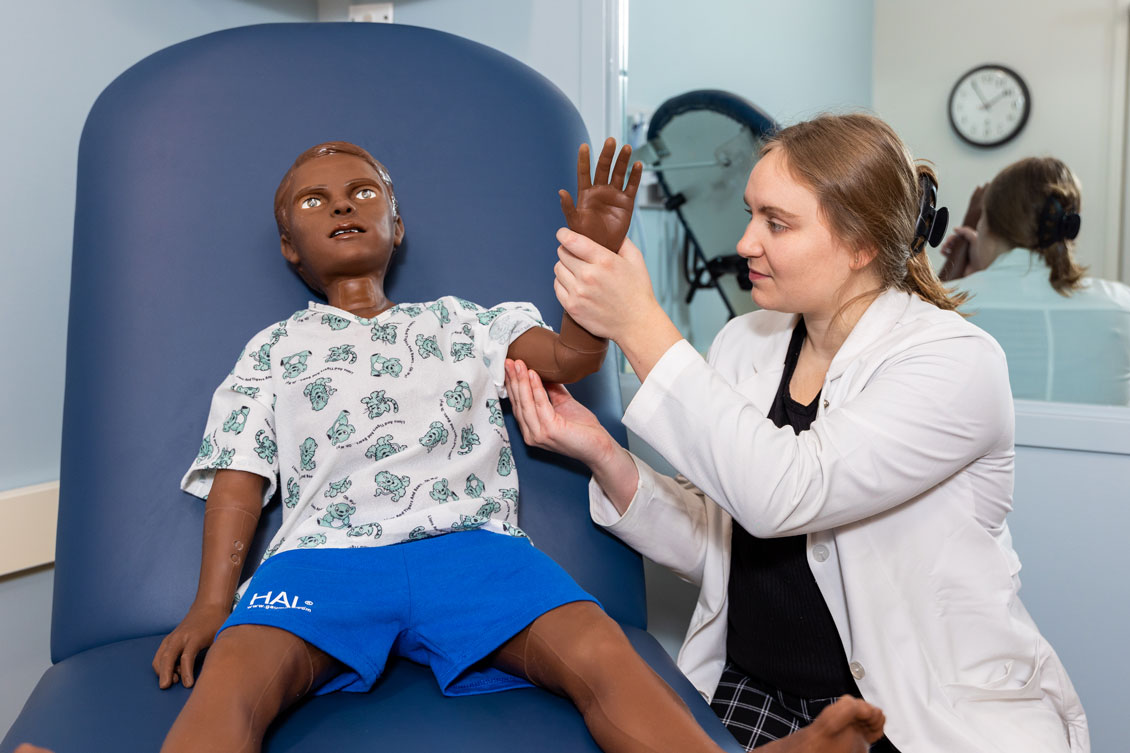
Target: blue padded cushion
{"points": [[176, 264], [404, 712]]}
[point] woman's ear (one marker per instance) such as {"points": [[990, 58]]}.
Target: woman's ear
{"points": [[862, 256]]}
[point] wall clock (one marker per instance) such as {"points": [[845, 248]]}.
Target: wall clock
{"points": [[989, 105]]}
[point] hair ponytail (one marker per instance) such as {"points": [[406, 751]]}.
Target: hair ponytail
{"points": [[1034, 204]]}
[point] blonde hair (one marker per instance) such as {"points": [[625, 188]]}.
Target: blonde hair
{"points": [[868, 189], [1021, 198]]}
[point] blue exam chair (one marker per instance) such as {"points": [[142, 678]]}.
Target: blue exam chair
{"points": [[176, 263]]}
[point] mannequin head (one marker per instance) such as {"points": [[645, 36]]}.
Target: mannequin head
{"points": [[337, 216]]}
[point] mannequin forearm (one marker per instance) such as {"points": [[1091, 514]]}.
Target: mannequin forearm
{"points": [[562, 358], [230, 517]]}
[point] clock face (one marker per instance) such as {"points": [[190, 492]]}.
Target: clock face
{"points": [[989, 105]]}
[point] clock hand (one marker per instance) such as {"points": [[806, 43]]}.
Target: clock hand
{"points": [[996, 99], [980, 96]]}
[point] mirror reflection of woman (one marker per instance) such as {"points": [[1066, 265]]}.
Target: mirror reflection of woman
{"points": [[1067, 335], [846, 459]]}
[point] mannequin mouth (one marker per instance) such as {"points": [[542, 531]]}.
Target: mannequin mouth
{"points": [[346, 231]]}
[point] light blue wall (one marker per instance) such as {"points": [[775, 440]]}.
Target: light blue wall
{"points": [[56, 58], [793, 60]]}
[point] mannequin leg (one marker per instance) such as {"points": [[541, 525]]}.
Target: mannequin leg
{"points": [[579, 652], [250, 675]]}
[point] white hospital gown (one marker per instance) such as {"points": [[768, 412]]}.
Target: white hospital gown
{"points": [[381, 430]]}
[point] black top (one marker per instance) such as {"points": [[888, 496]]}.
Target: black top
{"points": [[780, 630]]}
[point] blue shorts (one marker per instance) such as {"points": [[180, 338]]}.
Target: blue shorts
{"points": [[447, 602]]}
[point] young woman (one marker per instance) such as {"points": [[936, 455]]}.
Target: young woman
{"points": [[846, 457], [1067, 335]]}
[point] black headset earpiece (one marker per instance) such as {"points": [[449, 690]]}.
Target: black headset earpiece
{"points": [[930, 226]]}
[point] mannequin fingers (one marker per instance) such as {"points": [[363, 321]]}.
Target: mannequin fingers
{"points": [[568, 208], [187, 662], [583, 176], [604, 162], [620, 169], [634, 180], [164, 663]]}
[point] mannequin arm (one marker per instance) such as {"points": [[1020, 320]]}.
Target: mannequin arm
{"points": [[603, 212], [230, 517]]}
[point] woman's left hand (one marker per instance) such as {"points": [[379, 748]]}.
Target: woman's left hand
{"points": [[608, 294]]}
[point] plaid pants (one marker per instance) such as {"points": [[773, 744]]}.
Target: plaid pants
{"points": [[756, 714]]}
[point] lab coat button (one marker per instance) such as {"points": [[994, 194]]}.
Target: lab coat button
{"points": [[819, 552], [825, 405], [856, 670]]}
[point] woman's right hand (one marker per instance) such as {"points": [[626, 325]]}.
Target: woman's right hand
{"points": [[550, 418], [175, 660]]}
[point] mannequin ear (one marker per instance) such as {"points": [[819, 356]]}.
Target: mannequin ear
{"points": [[288, 251], [397, 231]]}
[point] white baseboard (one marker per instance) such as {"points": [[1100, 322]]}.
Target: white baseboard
{"points": [[27, 526]]}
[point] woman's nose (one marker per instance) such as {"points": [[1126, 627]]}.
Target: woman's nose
{"points": [[748, 245]]}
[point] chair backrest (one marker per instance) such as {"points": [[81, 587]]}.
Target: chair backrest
{"points": [[176, 263]]}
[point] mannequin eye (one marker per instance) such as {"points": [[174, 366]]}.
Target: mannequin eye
{"points": [[310, 202], [366, 193]]}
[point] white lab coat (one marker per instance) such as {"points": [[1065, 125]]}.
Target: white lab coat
{"points": [[901, 484]]}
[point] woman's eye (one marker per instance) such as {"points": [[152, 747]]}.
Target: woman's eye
{"points": [[775, 227], [366, 193], [310, 202]]}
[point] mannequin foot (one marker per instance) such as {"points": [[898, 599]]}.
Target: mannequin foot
{"points": [[849, 725]]}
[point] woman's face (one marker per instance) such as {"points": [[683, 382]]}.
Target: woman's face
{"points": [[795, 262]]}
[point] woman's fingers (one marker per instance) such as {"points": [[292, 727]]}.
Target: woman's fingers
{"points": [[522, 400], [514, 390], [968, 234], [567, 267], [545, 410]]}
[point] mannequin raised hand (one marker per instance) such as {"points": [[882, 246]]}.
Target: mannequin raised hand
{"points": [[604, 205]]}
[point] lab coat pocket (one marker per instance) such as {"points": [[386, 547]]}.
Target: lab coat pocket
{"points": [[1019, 680]]}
